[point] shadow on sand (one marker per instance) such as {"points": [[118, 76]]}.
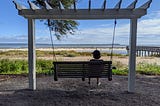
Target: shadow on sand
{"points": [[25, 97]]}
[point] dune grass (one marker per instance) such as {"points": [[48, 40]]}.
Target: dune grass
{"points": [[15, 66], [21, 66], [148, 69], [45, 67], [39, 53]]}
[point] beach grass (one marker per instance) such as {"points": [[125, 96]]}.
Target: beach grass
{"points": [[43, 66], [39, 53], [150, 69], [8, 66], [21, 66]]}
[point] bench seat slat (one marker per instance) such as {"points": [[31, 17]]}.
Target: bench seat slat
{"points": [[72, 72], [79, 69], [78, 75]]}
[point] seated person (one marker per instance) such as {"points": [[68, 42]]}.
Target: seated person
{"points": [[96, 66]]}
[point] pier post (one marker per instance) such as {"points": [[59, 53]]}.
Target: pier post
{"points": [[132, 55], [145, 53], [142, 53], [31, 54], [139, 53], [148, 53]]}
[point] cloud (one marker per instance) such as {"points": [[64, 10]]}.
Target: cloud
{"points": [[14, 39], [148, 32], [148, 27]]}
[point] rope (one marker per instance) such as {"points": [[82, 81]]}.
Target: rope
{"points": [[50, 30], [114, 31]]}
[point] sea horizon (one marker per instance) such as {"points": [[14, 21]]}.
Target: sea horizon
{"points": [[47, 45], [43, 45], [118, 48]]}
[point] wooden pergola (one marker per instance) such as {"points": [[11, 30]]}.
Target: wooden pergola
{"points": [[130, 12]]}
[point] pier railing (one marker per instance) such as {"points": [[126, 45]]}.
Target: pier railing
{"points": [[146, 50]]}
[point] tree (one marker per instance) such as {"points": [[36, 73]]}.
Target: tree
{"points": [[61, 27]]}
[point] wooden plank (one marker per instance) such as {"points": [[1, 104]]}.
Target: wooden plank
{"points": [[18, 6], [104, 5], [118, 5], [146, 5], [82, 14], [79, 62], [132, 5]]}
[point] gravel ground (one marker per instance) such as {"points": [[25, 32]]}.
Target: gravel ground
{"points": [[75, 92]]}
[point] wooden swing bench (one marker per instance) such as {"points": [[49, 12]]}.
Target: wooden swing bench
{"points": [[81, 69]]}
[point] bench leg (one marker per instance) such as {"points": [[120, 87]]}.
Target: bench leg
{"points": [[55, 79], [83, 79]]}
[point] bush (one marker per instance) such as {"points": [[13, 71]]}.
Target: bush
{"points": [[148, 69], [12, 66], [21, 66], [44, 66], [121, 69]]}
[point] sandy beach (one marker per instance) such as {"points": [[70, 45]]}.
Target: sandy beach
{"points": [[67, 49], [122, 59]]}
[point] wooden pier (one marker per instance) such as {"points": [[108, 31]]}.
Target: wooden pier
{"points": [[144, 51]]}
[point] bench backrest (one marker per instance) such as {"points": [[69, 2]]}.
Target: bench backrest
{"points": [[82, 69]]}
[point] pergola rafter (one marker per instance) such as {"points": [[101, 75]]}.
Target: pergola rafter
{"points": [[104, 5], [61, 13], [83, 14]]}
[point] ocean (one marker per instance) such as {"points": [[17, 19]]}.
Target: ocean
{"points": [[23, 45], [101, 47]]}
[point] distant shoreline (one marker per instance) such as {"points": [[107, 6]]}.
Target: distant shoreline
{"points": [[117, 50], [24, 45]]}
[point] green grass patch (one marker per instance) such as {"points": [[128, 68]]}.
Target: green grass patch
{"points": [[44, 67], [148, 69], [14, 53], [39, 53], [21, 66], [141, 68], [121, 69]]}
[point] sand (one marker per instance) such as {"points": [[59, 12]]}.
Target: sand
{"points": [[75, 92], [122, 59]]}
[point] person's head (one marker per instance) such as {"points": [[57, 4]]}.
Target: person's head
{"points": [[96, 54]]}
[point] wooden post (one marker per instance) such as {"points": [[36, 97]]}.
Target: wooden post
{"points": [[132, 55], [139, 53], [31, 54], [145, 53], [148, 54]]}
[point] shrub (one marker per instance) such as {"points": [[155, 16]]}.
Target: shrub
{"points": [[148, 69], [44, 66], [21, 66]]}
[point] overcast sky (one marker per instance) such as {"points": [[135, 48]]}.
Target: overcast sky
{"points": [[13, 28]]}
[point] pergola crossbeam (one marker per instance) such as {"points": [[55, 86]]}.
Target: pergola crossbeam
{"points": [[82, 14]]}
